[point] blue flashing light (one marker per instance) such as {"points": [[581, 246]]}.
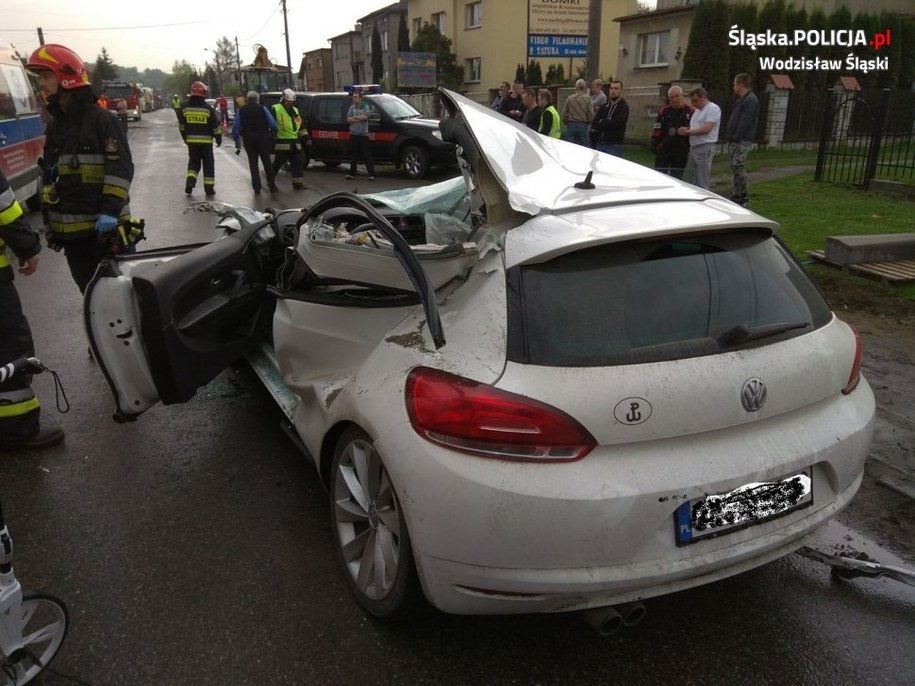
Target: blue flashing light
{"points": [[364, 88]]}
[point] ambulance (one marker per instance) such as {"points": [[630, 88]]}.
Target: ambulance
{"points": [[21, 127]]}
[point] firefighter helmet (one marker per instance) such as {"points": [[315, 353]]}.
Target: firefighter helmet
{"points": [[199, 88], [65, 64]]}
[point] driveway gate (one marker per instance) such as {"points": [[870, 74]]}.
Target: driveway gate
{"points": [[855, 141]]}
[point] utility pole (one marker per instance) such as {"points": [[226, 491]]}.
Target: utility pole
{"points": [[286, 29], [237, 61], [593, 66], [40, 36]]}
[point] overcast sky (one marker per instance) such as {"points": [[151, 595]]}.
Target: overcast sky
{"points": [[153, 34]]}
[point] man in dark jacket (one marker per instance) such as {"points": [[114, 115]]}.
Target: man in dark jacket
{"points": [[87, 164], [671, 150], [199, 127], [740, 134], [610, 122], [20, 411], [512, 105], [255, 126]]}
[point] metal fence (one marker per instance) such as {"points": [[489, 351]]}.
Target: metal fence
{"points": [[865, 136]]}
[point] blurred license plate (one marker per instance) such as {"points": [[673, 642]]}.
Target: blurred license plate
{"points": [[750, 504]]}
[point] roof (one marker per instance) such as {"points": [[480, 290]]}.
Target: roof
{"points": [[683, 9], [399, 7], [849, 83], [781, 81]]}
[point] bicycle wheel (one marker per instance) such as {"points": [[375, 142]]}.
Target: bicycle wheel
{"points": [[43, 622]]}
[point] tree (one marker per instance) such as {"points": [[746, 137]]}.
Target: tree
{"points": [[403, 35], [105, 69], [907, 52], [555, 75], [743, 59], [377, 64], [772, 17], [182, 76], [225, 61], [705, 60], [796, 19], [519, 73], [534, 75], [447, 71]]}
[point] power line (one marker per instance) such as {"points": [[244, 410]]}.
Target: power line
{"points": [[245, 40], [112, 28]]}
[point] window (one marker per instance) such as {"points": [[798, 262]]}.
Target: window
{"points": [[438, 20], [474, 15], [384, 40], [473, 69], [642, 302], [654, 49], [417, 25]]}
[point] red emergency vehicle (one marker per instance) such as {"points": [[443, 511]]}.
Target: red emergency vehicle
{"points": [[129, 93]]}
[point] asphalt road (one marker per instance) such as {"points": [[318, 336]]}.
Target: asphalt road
{"points": [[193, 546]]}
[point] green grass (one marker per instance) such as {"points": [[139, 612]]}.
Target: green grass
{"points": [[809, 211]]}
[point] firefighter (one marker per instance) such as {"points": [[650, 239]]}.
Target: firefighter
{"points": [[199, 127], [20, 411], [87, 166], [176, 102], [291, 138]]}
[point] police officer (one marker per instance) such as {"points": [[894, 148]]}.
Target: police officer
{"points": [[670, 149], [199, 127], [291, 138], [19, 408], [87, 164]]}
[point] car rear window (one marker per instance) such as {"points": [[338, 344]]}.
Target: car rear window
{"points": [[649, 301]]}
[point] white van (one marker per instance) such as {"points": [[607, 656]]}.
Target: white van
{"points": [[21, 128]]}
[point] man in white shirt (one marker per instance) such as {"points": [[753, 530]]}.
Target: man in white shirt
{"points": [[703, 135]]}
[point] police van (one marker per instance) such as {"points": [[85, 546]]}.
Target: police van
{"points": [[399, 134], [21, 128]]}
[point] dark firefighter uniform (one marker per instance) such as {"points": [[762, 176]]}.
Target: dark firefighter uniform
{"points": [[291, 139], [87, 172], [671, 151], [19, 408], [199, 127]]}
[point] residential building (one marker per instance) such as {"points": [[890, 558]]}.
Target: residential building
{"points": [[348, 58], [387, 21], [316, 72], [490, 37]]}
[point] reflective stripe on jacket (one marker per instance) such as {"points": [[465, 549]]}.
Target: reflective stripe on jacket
{"points": [[198, 123], [88, 170]]}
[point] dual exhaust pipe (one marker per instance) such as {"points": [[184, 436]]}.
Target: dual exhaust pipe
{"points": [[606, 621]]}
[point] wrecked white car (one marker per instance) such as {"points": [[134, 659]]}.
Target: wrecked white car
{"points": [[560, 382]]}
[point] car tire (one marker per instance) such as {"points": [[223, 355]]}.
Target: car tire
{"points": [[370, 532], [415, 161]]}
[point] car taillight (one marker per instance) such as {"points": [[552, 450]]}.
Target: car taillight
{"points": [[475, 418], [855, 375]]}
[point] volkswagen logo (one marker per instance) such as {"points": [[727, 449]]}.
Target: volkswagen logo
{"points": [[753, 394]]}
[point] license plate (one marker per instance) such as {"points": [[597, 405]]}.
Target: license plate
{"points": [[750, 504]]}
